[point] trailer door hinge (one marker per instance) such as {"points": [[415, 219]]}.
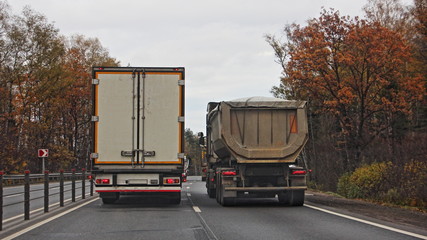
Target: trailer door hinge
{"points": [[181, 119], [94, 155], [95, 81], [95, 119], [181, 82]]}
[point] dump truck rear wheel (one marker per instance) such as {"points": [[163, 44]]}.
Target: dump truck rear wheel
{"points": [[212, 192], [229, 201], [284, 198], [297, 198]]}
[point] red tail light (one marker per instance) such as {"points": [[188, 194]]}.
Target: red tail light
{"points": [[102, 181], [171, 181], [204, 170], [229, 173], [299, 172]]}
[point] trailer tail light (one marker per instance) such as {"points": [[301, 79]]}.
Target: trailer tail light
{"points": [[299, 172], [171, 181], [102, 181], [229, 173]]}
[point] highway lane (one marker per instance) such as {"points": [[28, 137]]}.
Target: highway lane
{"points": [[13, 198], [199, 217]]}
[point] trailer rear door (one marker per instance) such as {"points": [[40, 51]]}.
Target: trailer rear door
{"points": [[138, 116]]}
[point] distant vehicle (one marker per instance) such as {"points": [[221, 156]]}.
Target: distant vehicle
{"points": [[252, 149], [138, 131]]}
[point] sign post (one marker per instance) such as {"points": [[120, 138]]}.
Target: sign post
{"points": [[43, 153]]}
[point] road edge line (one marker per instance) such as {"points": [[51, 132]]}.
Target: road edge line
{"points": [[41, 209], [12, 236], [368, 222]]}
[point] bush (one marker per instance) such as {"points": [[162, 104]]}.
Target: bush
{"points": [[385, 182], [365, 182], [414, 183]]}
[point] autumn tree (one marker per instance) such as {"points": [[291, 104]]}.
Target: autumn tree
{"points": [[193, 151], [45, 82], [353, 69], [81, 54]]}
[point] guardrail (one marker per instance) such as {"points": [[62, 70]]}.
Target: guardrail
{"points": [[45, 178]]}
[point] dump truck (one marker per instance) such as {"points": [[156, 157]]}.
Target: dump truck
{"points": [[253, 150], [138, 131]]}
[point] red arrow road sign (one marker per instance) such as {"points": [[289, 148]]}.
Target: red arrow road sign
{"points": [[43, 153]]}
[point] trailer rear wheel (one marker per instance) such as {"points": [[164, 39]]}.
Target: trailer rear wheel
{"points": [[175, 198], [109, 199]]}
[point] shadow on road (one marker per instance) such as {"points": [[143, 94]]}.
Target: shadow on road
{"points": [[143, 201]]}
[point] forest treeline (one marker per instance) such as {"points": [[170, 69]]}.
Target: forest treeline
{"points": [[44, 92], [365, 81]]}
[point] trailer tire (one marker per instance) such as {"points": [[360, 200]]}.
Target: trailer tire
{"points": [[110, 199], [175, 198]]}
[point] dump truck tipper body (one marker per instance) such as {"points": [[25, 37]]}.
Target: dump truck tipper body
{"points": [[253, 147], [138, 131]]}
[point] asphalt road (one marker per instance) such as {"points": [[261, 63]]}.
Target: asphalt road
{"points": [[13, 198], [199, 217]]}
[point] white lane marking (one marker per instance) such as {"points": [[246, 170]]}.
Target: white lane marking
{"points": [[197, 209], [208, 230], [13, 195], [188, 194], [188, 187], [368, 222], [39, 209], [47, 220]]}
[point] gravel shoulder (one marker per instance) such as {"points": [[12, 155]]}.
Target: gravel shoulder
{"points": [[370, 211]]}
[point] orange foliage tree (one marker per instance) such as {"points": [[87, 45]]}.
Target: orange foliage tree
{"points": [[44, 92], [354, 69]]}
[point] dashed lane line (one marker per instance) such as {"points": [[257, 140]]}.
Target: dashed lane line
{"points": [[197, 209], [211, 235]]}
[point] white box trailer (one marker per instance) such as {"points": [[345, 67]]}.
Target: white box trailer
{"points": [[138, 131]]}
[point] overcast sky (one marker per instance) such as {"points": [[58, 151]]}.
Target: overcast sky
{"points": [[220, 43]]}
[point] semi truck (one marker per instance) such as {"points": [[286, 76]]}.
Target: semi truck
{"points": [[138, 131], [253, 150]]}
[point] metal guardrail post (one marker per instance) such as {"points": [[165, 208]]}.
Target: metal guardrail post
{"points": [[73, 185], [83, 183], [1, 200], [27, 196], [61, 188], [46, 191]]}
